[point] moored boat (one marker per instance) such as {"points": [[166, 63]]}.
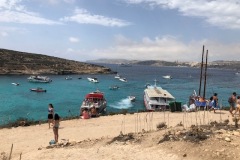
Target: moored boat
{"points": [[167, 77], [156, 98], [117, 76], [39, 79], [38, 89], [16, 84], [94, 99], [123, 79], [94, 79]]}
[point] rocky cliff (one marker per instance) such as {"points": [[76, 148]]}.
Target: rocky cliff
{"points": [[15, 62]]}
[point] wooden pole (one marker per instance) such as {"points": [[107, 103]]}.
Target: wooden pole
{"points": [[200, 85], [10, 153], [205, 77]]}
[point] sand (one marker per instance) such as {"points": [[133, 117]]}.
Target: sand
{"points": [[90, 139]]}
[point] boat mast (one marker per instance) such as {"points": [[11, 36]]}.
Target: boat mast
{"points": [[205, 76], [155, 85], [200, 86]]}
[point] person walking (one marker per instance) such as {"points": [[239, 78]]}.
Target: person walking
{"points": [[232, 102]]}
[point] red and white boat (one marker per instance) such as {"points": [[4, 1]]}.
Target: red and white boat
{"points": [[94, 99], [38, 89]]}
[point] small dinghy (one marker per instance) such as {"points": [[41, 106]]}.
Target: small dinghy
{"points": [[16, 84], [38, 89]]}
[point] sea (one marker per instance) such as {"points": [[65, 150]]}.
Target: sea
{"points": [[67, 95]]}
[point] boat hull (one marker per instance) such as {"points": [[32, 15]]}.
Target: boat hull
{"points": [[39, 79], [94, 80], [38, 90], [96, 100]]}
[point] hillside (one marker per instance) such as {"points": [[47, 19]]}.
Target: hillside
{"points": [[15, 62], [233, 65]]}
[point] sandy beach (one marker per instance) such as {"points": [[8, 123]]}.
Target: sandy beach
{"points": [[96, 138]]}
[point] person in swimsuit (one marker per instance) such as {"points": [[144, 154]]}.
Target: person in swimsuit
{"points": [[56, 126], [232, 102], [237, 106], [50, 114]]}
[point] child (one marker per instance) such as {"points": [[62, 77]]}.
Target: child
{"points": [[56, 126]]}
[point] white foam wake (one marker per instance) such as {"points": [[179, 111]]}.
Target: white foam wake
{"points": [[122, 104]]}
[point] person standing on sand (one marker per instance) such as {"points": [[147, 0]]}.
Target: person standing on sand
{"points": [[56, 126], [50, 114], [214, 101], [232, 102], [237, 106]]}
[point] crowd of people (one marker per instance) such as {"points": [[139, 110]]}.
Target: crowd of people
{"points": [[212, 104], [233, 100]]}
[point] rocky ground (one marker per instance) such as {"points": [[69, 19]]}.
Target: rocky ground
{"points": [[123, 137]]}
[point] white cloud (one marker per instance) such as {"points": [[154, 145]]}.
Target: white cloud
{"points": [[73, 39], [221, 13], [69, 1], [3, 34], [56, 2], [82, 16], [13, 11], [6, 31], [168, 48]]}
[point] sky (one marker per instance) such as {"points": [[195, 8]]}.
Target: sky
{"points": [[81, 30]]}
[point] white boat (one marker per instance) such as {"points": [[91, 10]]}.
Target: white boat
{"points": [[117, 76], [237, 73], [123, 79], [94, 80], [16, 84], [94, 99], [68, 78], [39, 79], [156, 98], [132, 98], [167, 77]]}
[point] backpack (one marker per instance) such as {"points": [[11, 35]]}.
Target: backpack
{"points": [[230, 100]]}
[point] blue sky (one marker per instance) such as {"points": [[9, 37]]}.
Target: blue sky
{"points": [[130, 29]]}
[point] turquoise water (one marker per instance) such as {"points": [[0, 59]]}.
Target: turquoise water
{"points": [[67, 95]]}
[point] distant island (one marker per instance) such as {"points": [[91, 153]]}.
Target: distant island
{"points": [[15, 62], [233, 65]]}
